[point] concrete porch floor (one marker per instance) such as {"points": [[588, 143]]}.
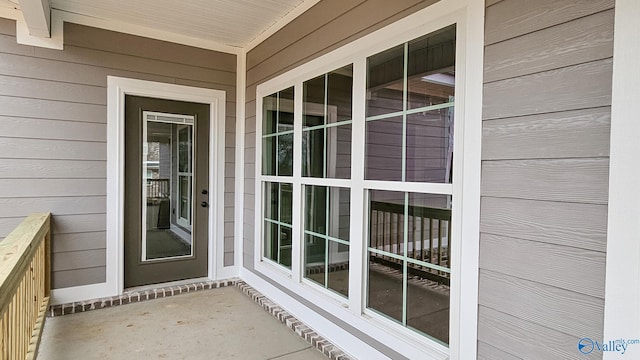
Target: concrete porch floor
{"points": [[212, 324]]}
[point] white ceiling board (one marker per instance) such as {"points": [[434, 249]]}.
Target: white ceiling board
{"points": [[230, 22]]}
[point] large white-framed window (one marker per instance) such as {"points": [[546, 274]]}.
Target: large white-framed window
{"points": [[622, 286], [385, 142]]}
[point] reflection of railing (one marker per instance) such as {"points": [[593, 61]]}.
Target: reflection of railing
{"points": [[24, 287], [427, 238], [157, 188]]}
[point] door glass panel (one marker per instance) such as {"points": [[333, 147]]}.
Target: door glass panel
{"points": [[167, 193]]}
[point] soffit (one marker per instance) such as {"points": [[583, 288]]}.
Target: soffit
{"points": [[233, 23]]}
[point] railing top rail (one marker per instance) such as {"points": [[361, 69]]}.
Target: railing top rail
{"points": [[17, 250], [422, 211]]}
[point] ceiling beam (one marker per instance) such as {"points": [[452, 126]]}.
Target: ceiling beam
{"points": [[37, 14]]}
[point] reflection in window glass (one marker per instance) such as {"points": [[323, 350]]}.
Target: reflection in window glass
{"points": [[384, 149], [410, 95], [326, 245], [277, 133], [277, 222], [409, 268], [326, 138]]}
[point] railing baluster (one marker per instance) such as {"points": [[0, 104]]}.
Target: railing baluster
{"points": [[24, 282]]}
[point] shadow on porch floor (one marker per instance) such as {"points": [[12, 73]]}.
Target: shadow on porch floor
{"points": [[212, 324]]}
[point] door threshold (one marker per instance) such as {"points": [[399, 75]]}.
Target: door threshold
{"points": [[166, 284], [141, 293]]}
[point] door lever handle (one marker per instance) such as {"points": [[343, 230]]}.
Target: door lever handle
{"points": [[204, 204]]}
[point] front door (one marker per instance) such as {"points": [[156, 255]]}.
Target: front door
{"points": [[166, 190]]}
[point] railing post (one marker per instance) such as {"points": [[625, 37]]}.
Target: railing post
{"points": [[24, 287]]}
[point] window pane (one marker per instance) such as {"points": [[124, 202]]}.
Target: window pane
{"points": [[270, 114], [429, 153], [385, 79], [386, 223], [314, 99], [339, 151], [429, 220], [286, 203], [270, 240], [338, 268], [409, 253], [431, 68], [316, 209], [285, 246], [285, 110], [315, 258], [285, 155], [384, 149], [429, 229], [271, 200], [384, 292], [340, 94], [427, 306], [313, 151], [269, 146], [339, 207]]}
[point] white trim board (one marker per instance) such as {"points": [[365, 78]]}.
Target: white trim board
{"points": [[117, 88], [622, 287], [469, 16]]}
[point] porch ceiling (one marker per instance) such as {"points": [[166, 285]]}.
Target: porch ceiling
{"points": [[234, 23]]}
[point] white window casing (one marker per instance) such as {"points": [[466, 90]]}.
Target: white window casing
{"points": [[468, 15], [622, 287]]}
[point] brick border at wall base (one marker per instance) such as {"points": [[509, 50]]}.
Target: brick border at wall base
{"points": [[305, 332]]}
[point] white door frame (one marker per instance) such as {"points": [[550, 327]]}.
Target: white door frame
{"points": [[117, 88]]}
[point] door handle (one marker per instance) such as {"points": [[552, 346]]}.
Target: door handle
{"points": [[204, 204]]}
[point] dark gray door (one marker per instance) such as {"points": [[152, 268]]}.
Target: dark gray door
{"points": [[166, 190]]}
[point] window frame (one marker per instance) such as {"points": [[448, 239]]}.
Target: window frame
{"points": [[622, 275], [468, 15]]}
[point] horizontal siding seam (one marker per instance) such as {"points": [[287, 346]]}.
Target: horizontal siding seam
{"points": [[56, 100], [300, 39], [547, 158], [314, 55], [84, 268], [148, 58], [108, 68], [539, 283], [49, 159], [552, 112], [487, 343], [548, 70], [495, 3], [49, 80], [54, 139], [533, 241], [546, 27], [88, 232], [526, 320], [52, 196], [80, 251], [544, 112], [537, 199], [41, 118]]}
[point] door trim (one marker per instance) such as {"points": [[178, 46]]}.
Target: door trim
{"points": [[117, 88]]}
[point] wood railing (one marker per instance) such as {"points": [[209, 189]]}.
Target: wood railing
{"points": [[428, 238], [157, 188], [25, 268]]}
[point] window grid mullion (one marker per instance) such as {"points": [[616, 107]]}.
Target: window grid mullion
{"points": [[405, 281], [405, 100], [326, 121], [326, 241]]}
